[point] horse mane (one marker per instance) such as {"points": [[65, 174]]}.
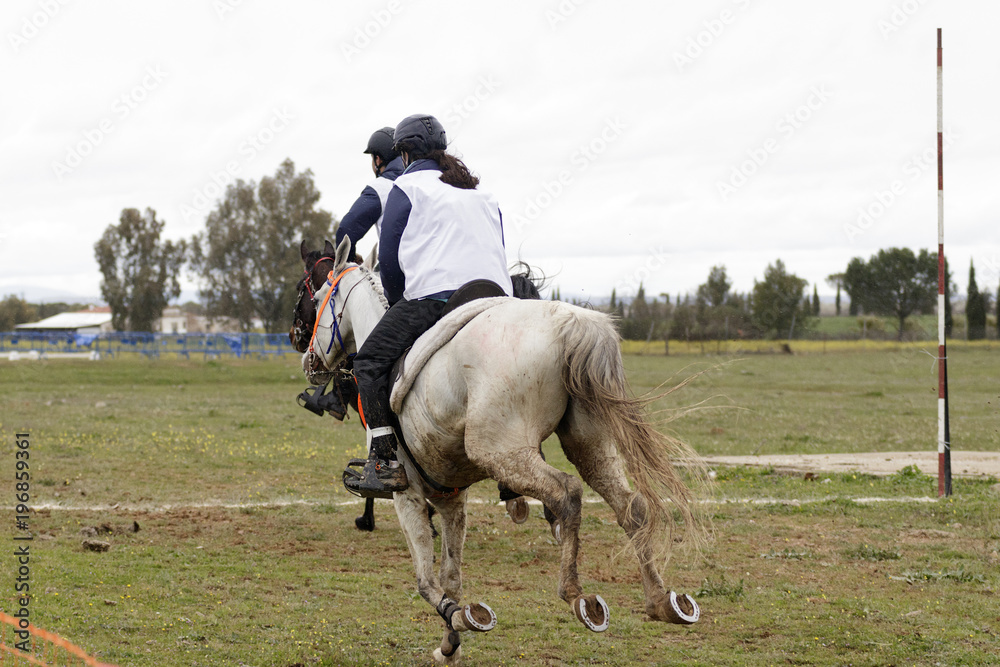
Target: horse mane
{"points": [[376, 285]]}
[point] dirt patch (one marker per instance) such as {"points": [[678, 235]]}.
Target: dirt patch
{"points": [[963, 463]]}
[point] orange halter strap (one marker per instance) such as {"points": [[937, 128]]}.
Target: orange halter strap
{"points": [[334, 286]]}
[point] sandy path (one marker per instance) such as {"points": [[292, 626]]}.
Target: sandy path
{"points": [[963, 463]]}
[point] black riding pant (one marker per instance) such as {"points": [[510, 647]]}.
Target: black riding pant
{"points": [[396, 331]]}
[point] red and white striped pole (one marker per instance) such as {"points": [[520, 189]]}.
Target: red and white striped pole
{"points": [[944, 436]]}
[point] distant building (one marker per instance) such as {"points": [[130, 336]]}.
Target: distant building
{"points": [[173, 321], [94, 320], [176, 321]]}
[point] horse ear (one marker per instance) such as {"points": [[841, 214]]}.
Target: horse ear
{"points": [[372, 258], [343, 253], [304, 249], [328, 249]]}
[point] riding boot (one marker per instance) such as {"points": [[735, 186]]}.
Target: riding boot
{"points": [[381, 474]]}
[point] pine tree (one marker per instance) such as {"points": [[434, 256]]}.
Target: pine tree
{"points": [[949, 322], [815, 306], [975, 308]]}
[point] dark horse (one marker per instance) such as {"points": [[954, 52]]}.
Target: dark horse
{"points": [[344, 391]]}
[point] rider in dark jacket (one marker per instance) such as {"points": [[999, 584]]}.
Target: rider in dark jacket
{"points": [[366, 213], [369, 207]]}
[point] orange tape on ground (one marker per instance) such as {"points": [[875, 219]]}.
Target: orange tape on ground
{"points": [[50, 637]]}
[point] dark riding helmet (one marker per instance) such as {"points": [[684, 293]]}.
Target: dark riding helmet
{"points": [[419, 135], [381, 144]]}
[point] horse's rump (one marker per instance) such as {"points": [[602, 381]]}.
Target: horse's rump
{"points": [[505, 367]]}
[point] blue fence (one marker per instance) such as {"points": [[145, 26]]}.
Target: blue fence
{"points": [[148, 344]]}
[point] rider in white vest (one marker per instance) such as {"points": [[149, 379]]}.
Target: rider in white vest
{"points": [[438, 232]]}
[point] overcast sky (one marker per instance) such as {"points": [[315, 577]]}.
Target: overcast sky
{"points": [[625, 141]]}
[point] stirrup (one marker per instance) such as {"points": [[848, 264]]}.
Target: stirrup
{"points": [[375, 479], [313, 399]]}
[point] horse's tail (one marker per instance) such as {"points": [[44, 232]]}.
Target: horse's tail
{"points": [[594, 376]]}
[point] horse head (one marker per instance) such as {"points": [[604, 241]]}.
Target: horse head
{"points": [[318, 264], [324, 327]]}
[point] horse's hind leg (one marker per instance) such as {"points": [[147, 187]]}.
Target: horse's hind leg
{"points": [[591, 449], [523, 470]]}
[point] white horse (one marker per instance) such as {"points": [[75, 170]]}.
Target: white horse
{"points": [[481, 407]]}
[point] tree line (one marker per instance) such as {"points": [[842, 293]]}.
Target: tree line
{"points": [[246, 259], [247, 262], [895, 282]]}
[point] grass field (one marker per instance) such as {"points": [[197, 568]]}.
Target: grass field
{"points": [[246, 551]]}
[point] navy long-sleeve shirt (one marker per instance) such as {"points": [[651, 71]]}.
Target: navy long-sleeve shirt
{"points": [[369, 207]]}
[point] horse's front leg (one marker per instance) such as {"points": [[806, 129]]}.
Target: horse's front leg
{"points": [[452, 511], [412, 513], [367, 520], [410, 509]]}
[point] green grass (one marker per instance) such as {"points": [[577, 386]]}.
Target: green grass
{"points": [[822, 403], [819, 578], [917, 327]]}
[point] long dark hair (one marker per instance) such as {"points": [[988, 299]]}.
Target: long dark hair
{"points": [[526, 281], [453, 171]]}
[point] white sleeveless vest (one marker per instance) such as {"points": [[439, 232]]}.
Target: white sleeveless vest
{"points": [[382, 186], [452, 236]]}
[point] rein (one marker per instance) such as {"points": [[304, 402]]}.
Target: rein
{"points": [[335, 285]]}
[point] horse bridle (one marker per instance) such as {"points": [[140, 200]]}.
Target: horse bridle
{"points": [[315, 359], [300, 329], [307, 276]]}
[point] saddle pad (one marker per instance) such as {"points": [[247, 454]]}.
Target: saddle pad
{"points": [[432, 340]]}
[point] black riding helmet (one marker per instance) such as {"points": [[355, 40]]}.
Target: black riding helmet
{"points": [[419, 135], [381, 144]]}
